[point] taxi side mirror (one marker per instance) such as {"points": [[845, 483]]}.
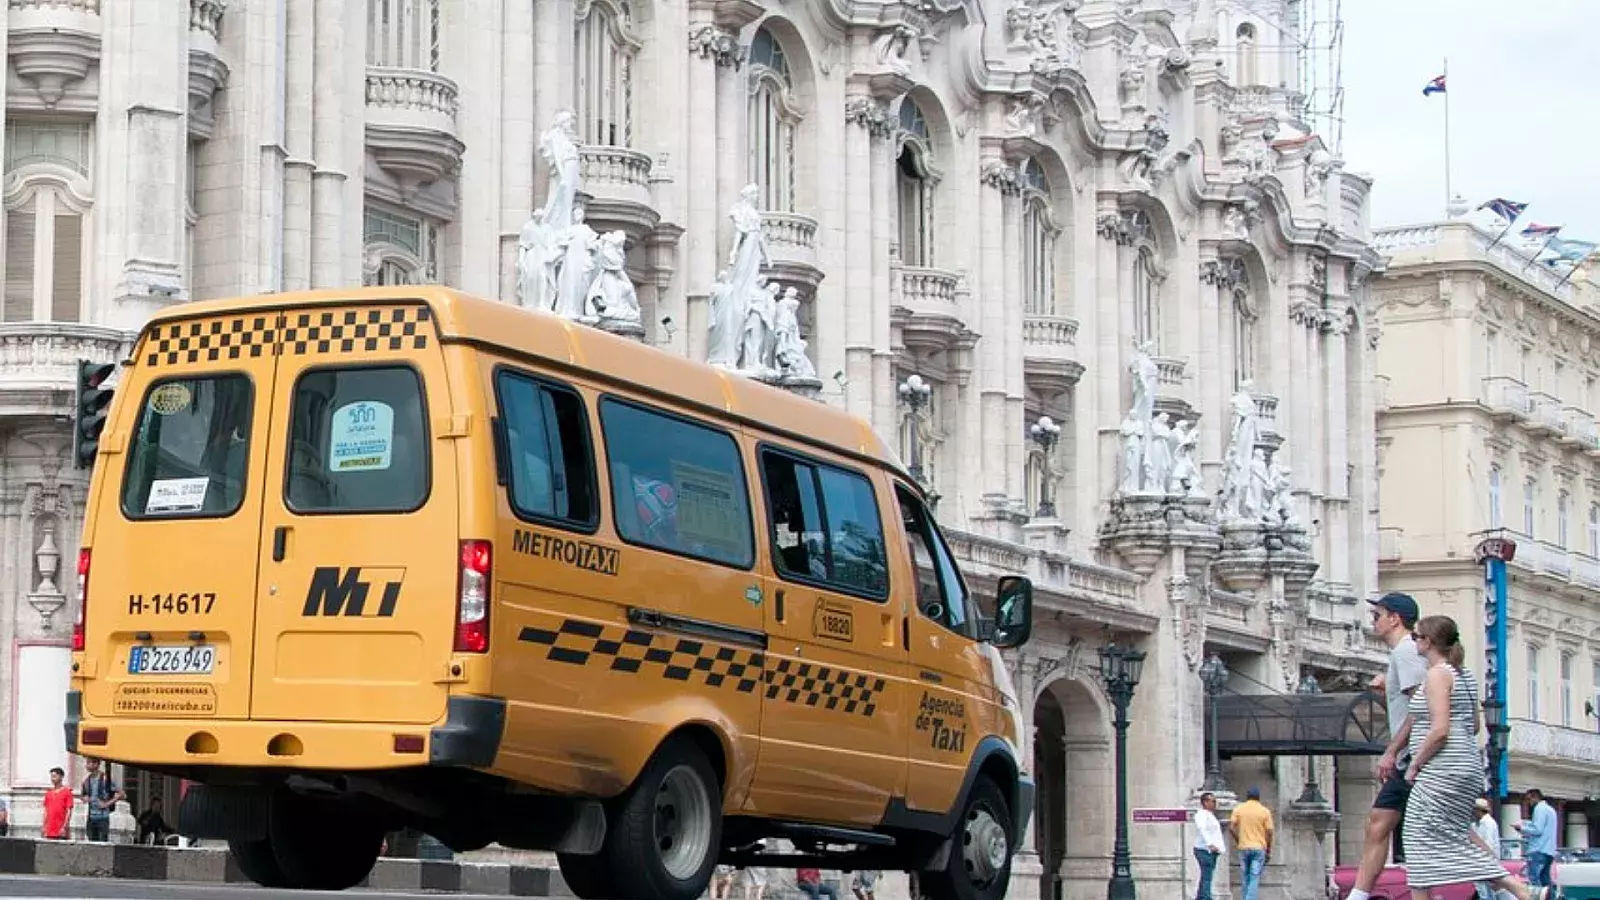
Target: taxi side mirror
{"points": [[1013, 612]]}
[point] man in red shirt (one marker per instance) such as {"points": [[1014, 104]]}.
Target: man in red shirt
{"points": [[810, 882], [57, 806]]}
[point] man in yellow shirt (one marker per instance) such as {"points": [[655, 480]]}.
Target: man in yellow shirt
{"points": [[1251, 825]]}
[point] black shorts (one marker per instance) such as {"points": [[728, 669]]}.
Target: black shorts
{"points": [[1393, 794]]}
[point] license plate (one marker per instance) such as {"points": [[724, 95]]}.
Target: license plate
{"points": [[188, 659]]}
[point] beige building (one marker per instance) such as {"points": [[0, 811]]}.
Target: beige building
{"points": [[1001, 197], [1487, 421]]}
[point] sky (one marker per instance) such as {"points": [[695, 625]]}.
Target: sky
{"points": [[1523, 120]]}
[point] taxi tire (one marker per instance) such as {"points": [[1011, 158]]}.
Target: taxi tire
{"points": [[256, 860], [631, 847], [954, 881], [320, 844]]}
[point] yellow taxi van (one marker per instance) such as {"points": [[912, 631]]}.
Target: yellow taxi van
{"points": [[356, 561]]}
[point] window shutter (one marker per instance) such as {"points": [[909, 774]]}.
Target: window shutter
{"points": [[18, 306], [66, 293]]}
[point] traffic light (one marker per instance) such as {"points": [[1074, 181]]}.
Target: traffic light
{"points": [[89, 418]]}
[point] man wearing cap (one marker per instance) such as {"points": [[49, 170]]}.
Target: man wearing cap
{"points": [[1393, 616], [1487, 832]]}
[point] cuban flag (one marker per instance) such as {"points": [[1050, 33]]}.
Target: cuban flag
{"points": [[1435, 86]]}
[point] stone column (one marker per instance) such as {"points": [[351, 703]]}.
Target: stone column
{"points": [[733, 114], [1011, 351], [551, 63], [141, 137], [1305, 849], [705, 218], [327, 144], [1336, 521], [473, 57], [1211, 366], [1108, 336], [867, 125], [519, 138], [879, 298], [300, 34], [992, 233]]}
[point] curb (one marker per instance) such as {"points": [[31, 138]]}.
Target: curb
{"points": [[206, 865]]}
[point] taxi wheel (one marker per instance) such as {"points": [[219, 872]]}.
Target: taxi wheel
{"points": [[666, 833], [979, 864], [322, 845], [256, 861]]}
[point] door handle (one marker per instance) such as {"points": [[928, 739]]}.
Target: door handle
{"points": [[280, 540], [777, 600]]}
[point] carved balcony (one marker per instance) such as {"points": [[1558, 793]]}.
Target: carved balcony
{"points": [[1544, 415], [616, 191], [792, 243], [52, 45], [1507, 398], [1585, 432], [1050, 353], [207, 71], [1575, 749], [1271, 434], [39, 363], [411, 125], [926, 303]]}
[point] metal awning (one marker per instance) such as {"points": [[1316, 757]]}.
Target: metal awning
{"points": [[1350, 724]]}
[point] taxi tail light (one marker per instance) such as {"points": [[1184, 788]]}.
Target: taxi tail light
{"points": [[83, 598], [472, 597]]}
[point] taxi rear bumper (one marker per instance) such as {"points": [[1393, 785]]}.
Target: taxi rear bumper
{"points": [[468, 736]]}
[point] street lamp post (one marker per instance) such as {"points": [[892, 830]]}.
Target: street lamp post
{"points": [[1312, 794], [1045, 433], [1494, 718], [1214, 675], [914, 393], [1120, 668]]}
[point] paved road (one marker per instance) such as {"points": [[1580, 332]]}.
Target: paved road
{"points": [[121, 889]]}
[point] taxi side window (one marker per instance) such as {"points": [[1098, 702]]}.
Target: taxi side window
{"points": [[358, 441], [824, 526], [677, 485], [547, 443], [190, 449], [941, 593]]}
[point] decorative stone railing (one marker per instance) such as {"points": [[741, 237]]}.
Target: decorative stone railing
{"points": [[984, 555], [42, 357], [1582, 428], [1507, 395], [1547, 412], [81, 6], [1049, 331], [1586, 570], [789, 231], [1554, 742], [1392, 240], [1227, 606], [1169, 372], [1464, 240], [413, 91], [927, 288], [613, 166], [1267, 411]]}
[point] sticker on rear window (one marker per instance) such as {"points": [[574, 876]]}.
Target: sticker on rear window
{"points": [[363, 437], [170, 398], [177, 495]]}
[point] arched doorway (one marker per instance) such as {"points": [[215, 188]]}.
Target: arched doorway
{"points": [[1073, 768]]}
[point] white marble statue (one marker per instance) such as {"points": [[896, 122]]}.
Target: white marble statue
{"points": [[1185, 478], [1157, 455], [559, 147], [576, 270], [1145, 373], [790, 347], [1133, 435], [1236, 462], [612, 296], [756, 355], [749, 254], [1280, 493], [536, 256], [1256, 490], [726, 331]]}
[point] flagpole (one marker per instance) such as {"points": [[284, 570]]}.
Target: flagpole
{"points": [[1535, 257], [1509, 226], [1565, 277], [1447, 194]]}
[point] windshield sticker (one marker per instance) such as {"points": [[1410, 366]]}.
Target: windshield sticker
{"points": [[177, 495], [170, 398], [363, 437]]}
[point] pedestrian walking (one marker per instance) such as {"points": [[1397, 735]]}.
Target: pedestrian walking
{"points": [[1251, 824], [1539, 837], [1208, 845], [101, 795], [1487, 830], [1446, 774], [1393, 616]]}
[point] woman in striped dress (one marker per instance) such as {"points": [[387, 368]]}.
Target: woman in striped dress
{"points": [[1447, 774]]}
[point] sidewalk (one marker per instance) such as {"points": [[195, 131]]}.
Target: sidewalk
{"points": [[213, 865]]}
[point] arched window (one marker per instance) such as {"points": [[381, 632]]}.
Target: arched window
{"points": [[1038, 242], [1245, 72], [46, 200], [1530, 505], [603, 53], [400, 249], [1494, 498], [916, 178], [774, 116], [1563, 514], [403, 34], [1147, 297]]}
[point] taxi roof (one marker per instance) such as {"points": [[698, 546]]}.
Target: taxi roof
{"points": [[462, 317]]}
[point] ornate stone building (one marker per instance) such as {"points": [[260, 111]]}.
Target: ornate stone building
{"points": [[1003, 198], [1487, 422]]}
